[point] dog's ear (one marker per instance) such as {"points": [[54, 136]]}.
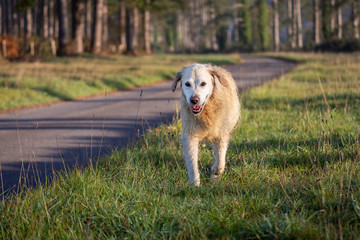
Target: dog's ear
{"points": [[221, 75], [177, 78]]}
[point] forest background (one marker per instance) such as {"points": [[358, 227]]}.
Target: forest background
{"points": [[71, 27]]}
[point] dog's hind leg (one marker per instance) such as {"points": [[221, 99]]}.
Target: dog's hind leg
{"points": [[219, 148], [191, 152]]}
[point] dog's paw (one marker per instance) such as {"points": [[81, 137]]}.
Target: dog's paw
{"points": [[215, 177], [197, 183]]}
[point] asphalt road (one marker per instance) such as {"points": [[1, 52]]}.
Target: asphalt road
{"points": [[34, 142]]}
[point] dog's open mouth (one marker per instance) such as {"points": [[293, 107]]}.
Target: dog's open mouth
{"points": [[196, 109]]}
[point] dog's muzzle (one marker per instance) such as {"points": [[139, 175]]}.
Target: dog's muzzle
{"points": [[195, 108]]}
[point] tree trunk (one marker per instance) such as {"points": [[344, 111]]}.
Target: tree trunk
{"points": [[105, 34], [146, 24], [25, 36], [20, 24], [205, 25], [326, 19], [3, 18], [290, 24], [339, 18], [88, 19], [8, 17], [185, 22], [179, 45], [14, 19], [63, 27], [136, 27], [51, 19], [79, 21], [34, 19], [29, 22], [236, 24], [247, 23], [56, 27], [1, 21], [27, 28], [73, 19], [122, 24], [355, 19], [213, 40], [45, 20], [294, 23], [130, 32], [97, 27], [39, 17], [193, 25], [299, 24], [332, 16], [316, 24], [276, 26], [263, 24]]}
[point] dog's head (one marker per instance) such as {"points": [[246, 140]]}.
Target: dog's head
{"points": [[198, 82]]}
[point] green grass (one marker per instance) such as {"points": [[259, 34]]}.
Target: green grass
{"points": [[57, 79], [292, 173]]}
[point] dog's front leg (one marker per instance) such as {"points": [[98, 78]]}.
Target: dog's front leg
{"points": [[219, 148], [191, 152]]}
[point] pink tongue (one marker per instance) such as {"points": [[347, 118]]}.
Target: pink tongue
{"points": [[196, 107]]}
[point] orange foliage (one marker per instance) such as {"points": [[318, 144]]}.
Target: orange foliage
{"points": [[12, 47]]}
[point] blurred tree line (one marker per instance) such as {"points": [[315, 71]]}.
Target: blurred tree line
{"points": [[67, 27]]}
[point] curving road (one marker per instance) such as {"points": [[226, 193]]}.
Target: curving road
{"points": [[33, 142]]}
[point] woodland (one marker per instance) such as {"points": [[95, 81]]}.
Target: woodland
{"points": [[140, 27]]}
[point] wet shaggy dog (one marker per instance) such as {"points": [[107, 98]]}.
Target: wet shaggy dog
{"points": [[210, 110]]}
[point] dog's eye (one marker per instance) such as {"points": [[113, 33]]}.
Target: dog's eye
{"points": [[203, 84], [187, 84]]}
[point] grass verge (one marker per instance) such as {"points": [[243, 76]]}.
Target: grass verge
{"points": [[292, 173], [58, 79]]}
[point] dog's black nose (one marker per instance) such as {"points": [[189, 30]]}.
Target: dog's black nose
{"points": [[194, 99]]}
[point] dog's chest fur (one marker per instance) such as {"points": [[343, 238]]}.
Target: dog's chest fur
{"points": [[205, 126]]}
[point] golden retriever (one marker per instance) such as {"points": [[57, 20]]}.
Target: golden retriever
{"points": [[210, 110]]}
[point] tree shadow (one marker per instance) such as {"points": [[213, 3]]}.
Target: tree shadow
{"points": [[119, 84], [306, 153], [313, 103], [53, 93]]}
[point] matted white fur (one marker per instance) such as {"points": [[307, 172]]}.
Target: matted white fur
{"points": [[210, 110]]}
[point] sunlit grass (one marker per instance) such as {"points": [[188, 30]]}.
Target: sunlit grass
{"points": [[292, 173], [55, 79]]}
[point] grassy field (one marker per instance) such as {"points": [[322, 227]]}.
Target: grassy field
{"points": [[292, 173], [57, 79]]}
